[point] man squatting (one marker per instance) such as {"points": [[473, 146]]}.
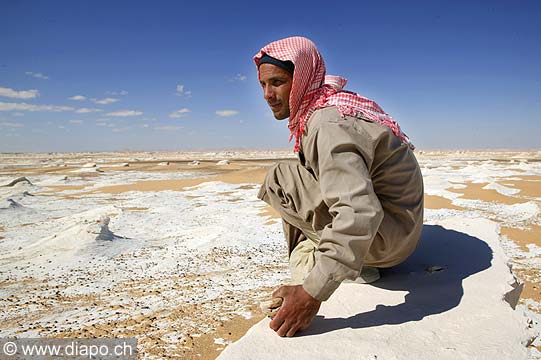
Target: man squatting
{"points": [[354, 198]]}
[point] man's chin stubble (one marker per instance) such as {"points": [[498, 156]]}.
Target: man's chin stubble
{"points": [[280, 116]]}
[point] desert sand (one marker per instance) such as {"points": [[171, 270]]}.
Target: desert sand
{"points": [[188, 251]]}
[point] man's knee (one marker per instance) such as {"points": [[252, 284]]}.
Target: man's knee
{"points": [[282, 170], [270, 182], [278, 174]]}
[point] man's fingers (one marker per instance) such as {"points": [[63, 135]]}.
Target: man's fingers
{"points": [[276, 322], [284, 329], [296, 311], [292, 330]]}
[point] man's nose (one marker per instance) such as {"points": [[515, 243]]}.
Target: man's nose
{"points": [[268, 93]]}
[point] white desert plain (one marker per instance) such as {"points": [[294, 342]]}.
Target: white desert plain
{"points": [[175, 249]]}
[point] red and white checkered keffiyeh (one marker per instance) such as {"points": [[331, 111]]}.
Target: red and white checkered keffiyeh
{"points": [[312, 89]]}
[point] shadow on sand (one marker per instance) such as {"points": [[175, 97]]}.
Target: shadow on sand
{"points": [[429, 292]]}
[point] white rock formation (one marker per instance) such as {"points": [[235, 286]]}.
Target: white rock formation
{"points": [[445, 302], [20, 180], [9, 204], [101, 229]]}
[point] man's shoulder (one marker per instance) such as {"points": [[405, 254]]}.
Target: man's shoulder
{"points": [[326, 114], [322, 118], [359, 129]]}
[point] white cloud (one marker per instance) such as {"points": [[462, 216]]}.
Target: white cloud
{"points": [[87, 110], [181, 91], [77, 122], [18, 114], [117, 93], [37, 75], [168, 127], [227, 112], [61, 127], [77, 98], [11, 124], [120, 129], [23, 94], [124, 113], [94, 100], [239, 77], [110, 125], [29, 107], [179, 113], [104, 101], [102, 119]]}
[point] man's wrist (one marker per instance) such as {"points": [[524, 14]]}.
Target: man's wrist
{"points": [[318, 285]]}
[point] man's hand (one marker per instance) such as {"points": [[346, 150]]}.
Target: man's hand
{"points": [[297, 310]]}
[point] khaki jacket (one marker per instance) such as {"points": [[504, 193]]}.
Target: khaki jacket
{"points": [[373, 187]]}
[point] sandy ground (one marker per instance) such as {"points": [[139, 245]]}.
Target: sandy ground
{"points": [[474, 191], [439, 202], [194, 320], [199, 320]]}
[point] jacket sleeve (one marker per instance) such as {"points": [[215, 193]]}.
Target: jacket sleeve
{"points": [[335, 155]]}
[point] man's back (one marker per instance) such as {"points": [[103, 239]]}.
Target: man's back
{"points": [[390, 167]]}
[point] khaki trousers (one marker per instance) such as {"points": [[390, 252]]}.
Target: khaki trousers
{"points": [[295, 193]]}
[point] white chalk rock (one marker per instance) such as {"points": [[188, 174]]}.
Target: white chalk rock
{"points": [[194, 163], [89, 165], [87, 170], [19, 181], [101, 229], [165, 163], [271, 307], [223, 162], [452, 309], [10, 204]]}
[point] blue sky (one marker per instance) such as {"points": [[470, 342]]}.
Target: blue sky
{"points": [[178, 75]]}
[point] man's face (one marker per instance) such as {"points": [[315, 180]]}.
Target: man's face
{"points": [[276, 83]]}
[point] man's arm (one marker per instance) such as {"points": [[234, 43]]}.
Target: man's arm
{"points": [[347, 190], [337, 154]]}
